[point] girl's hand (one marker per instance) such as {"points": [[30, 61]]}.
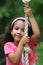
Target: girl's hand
{"points": [[25, 39], [27, 10]]}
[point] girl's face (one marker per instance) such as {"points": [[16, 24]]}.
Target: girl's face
{"points": [[18, 30]]}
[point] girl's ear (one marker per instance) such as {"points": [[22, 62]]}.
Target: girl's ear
{"points": [[11, 32]]}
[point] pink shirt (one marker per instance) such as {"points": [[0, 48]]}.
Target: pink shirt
{"points": [[9, 47]]}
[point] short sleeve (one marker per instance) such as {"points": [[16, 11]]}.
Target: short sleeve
{"points": [[8, 48]]}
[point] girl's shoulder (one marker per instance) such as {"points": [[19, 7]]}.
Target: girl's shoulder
{"points": [[10, 46], [8, 43]]}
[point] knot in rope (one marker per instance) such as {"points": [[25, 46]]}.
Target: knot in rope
{"points": [[26, 1]]}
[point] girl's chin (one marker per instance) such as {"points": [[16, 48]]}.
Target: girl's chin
{"points": [[17, 40]]}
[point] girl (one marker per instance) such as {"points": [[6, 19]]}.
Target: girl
{"points": [[15, 39]]}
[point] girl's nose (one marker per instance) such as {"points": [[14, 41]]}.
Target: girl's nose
{"points": [[19, 31]]}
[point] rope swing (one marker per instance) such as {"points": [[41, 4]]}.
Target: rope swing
{"points": [[26, 48]]}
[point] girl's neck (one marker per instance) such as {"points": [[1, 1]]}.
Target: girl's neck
{"points": [[16, 43]]}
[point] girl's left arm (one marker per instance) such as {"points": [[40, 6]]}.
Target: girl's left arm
{"points": [[35, 28], [36, 32]]}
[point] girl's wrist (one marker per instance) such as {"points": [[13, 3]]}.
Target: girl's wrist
{"points": [[21, 44], [31, 16]]}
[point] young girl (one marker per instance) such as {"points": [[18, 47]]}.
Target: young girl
{"points": [[15, 39]]}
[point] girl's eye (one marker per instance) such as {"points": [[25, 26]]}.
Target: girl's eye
{"points": [[16, 28], [23, 30]]}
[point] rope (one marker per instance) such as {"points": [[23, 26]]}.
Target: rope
{"points": [[26, 48]]}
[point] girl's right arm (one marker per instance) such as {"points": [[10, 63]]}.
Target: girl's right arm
{"points": [[16, 56]]}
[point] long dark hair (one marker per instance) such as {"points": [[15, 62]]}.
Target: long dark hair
{"points": [[8, 37]]}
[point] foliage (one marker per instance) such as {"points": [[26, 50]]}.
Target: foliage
{"points": [[14, 8], [39, 52], [11, 7]]}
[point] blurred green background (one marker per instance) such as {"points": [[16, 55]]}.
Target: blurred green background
{"points": [[14, 8]]}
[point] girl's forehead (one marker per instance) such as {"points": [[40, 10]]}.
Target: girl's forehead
{"points": [[19, 24]]}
